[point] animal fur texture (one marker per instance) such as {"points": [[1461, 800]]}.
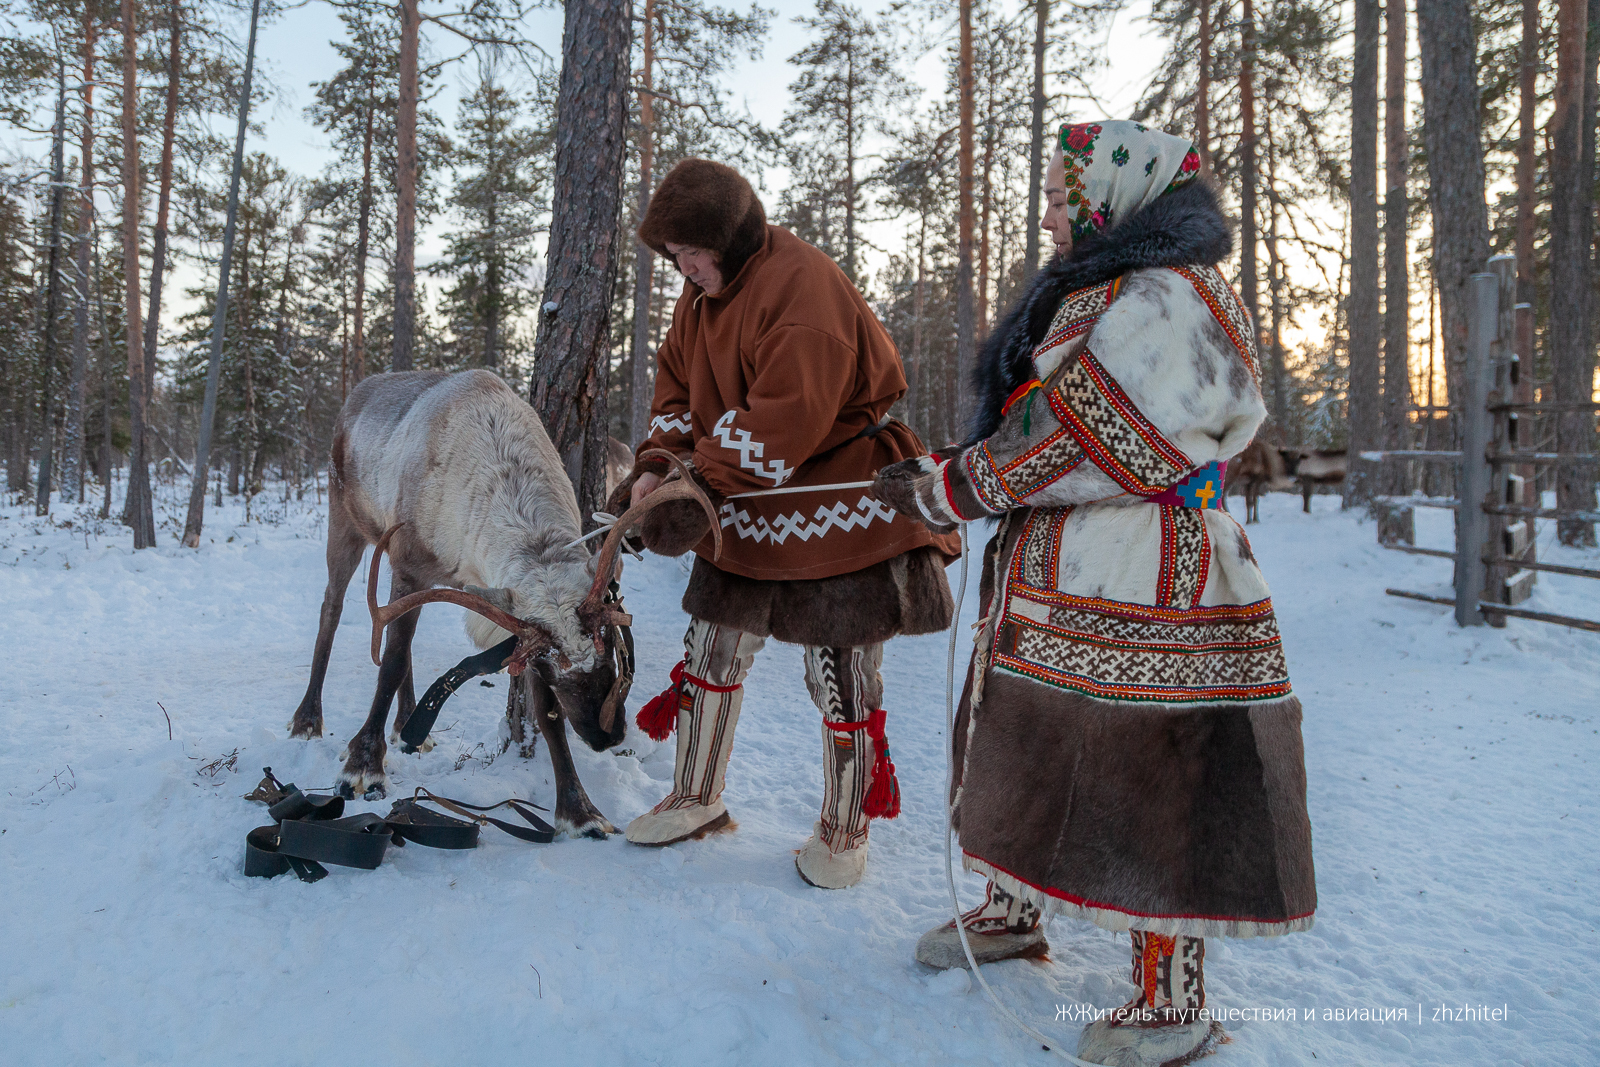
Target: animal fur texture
{"points": [[906, 594], [466, 459], [1182, 228], [709, 206]]}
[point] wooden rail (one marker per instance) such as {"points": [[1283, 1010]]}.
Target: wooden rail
{"points": [[1502, 609], [1495, 555]]}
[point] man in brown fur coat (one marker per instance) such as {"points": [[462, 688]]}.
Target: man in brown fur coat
{"points": [[775, 382]]}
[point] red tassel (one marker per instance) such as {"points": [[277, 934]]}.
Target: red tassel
{"points": [[883, 795], [659, 716]]}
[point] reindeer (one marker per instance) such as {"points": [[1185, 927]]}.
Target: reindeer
{"points": [[454, 476], [1259, 467], [1312, 468]]}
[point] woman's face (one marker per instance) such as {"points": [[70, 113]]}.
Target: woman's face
{"points": [[699, 266], [1055, 198]]}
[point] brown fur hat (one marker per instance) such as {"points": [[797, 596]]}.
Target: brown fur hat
{"points": [[710, 206]]}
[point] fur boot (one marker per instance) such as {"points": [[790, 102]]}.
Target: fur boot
{"points": [[706, 720], [846, 686], [1163, 1025], [1003, 927]]}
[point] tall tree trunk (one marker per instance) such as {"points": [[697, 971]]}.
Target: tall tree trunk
{"points": [[643, 257], [1202, 101], [405, 221], [850, 164], [1279, 373], [219, 314], [1248, 285], [571, 353], [1396, 265], [986, 202], [72, 442], [1452, 136], [358, 366], [916, 389], [491, 273], [1571, 278], [966, 335], [107, 375], [1527, 198], [158, 255], [1035, 136], [140, 510], [1364, 405], [58, 194]]}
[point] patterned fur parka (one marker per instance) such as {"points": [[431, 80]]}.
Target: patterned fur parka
{"points": [[1129, 744]]}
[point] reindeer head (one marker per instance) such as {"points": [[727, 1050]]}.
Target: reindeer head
{"points": [[589, 684]]}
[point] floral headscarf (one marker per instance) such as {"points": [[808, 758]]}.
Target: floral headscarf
{"points": [[1115, 168]]}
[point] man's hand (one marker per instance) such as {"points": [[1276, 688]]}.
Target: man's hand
{"points": [[644, 487]]}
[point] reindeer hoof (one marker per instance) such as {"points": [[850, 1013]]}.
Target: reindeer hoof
{"points": [[370, 785], [596, 826], [304, 731]]}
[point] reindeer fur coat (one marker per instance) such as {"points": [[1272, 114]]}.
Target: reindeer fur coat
{"points": [[1129, 743]]}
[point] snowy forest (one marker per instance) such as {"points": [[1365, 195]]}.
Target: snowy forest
{"points": [[1310, 115], [1360, 692]]}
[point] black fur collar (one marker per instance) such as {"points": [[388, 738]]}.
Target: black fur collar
{"points": [[1183, 228]]}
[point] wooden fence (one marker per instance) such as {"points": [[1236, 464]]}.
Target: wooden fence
{"points": [[1495, 566]]}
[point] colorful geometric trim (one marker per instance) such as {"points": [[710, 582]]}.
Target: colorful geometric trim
{"points": [[1185, 557], [1116, 436], [1228, 310], [993, 494], [1038, 550], [1079, 312], [1200, 489], [1145, 613], [1054, 457]]}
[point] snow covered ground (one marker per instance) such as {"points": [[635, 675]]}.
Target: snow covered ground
{"points": [[1453, 801]]}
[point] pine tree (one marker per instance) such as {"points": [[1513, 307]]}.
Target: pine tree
{"points": [[500, 202], [847, 79]]}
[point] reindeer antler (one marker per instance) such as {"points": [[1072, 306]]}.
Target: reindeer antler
{"points": [[532, 639], [594, 613]]}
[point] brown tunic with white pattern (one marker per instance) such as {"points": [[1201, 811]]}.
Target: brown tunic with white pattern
{"points": [[775, 385]]}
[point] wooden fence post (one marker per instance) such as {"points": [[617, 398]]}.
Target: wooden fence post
{"points": [[1507, 537], [1483, 323]]}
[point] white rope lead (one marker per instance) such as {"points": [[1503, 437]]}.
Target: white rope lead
{"points": [[1051, 1044]]}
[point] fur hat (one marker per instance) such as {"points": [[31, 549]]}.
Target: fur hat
{"points": [[710, 206]]}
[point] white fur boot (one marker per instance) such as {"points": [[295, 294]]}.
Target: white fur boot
{"points": [[845, 685], [1003, 927], [826, 869], [720, 657]]}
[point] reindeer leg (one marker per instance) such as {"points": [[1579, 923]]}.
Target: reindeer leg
{"points": [[363, 765], [408, 704], [575, 813], [1305, 495], [345, 546]]}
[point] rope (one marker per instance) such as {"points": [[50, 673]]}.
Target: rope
{"points": [[1050, 1044], [800, 489]]}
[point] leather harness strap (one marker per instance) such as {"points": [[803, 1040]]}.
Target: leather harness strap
{"points": [[309, 831]]}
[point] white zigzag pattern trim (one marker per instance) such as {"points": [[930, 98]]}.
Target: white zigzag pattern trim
{"points": [[750, 451], [828, 519], [670, 421]]}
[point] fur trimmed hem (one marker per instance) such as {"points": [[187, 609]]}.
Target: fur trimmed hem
{"points": [[1051, 902]]}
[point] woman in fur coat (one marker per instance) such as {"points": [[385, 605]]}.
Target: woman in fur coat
{"points": [[775, 382], [1128, 747]]}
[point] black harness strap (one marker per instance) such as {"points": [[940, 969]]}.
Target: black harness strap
{"points": [[310, 831], [444, 687]]}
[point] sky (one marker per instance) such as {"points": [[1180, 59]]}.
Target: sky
{"points": [[297, 50]]}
